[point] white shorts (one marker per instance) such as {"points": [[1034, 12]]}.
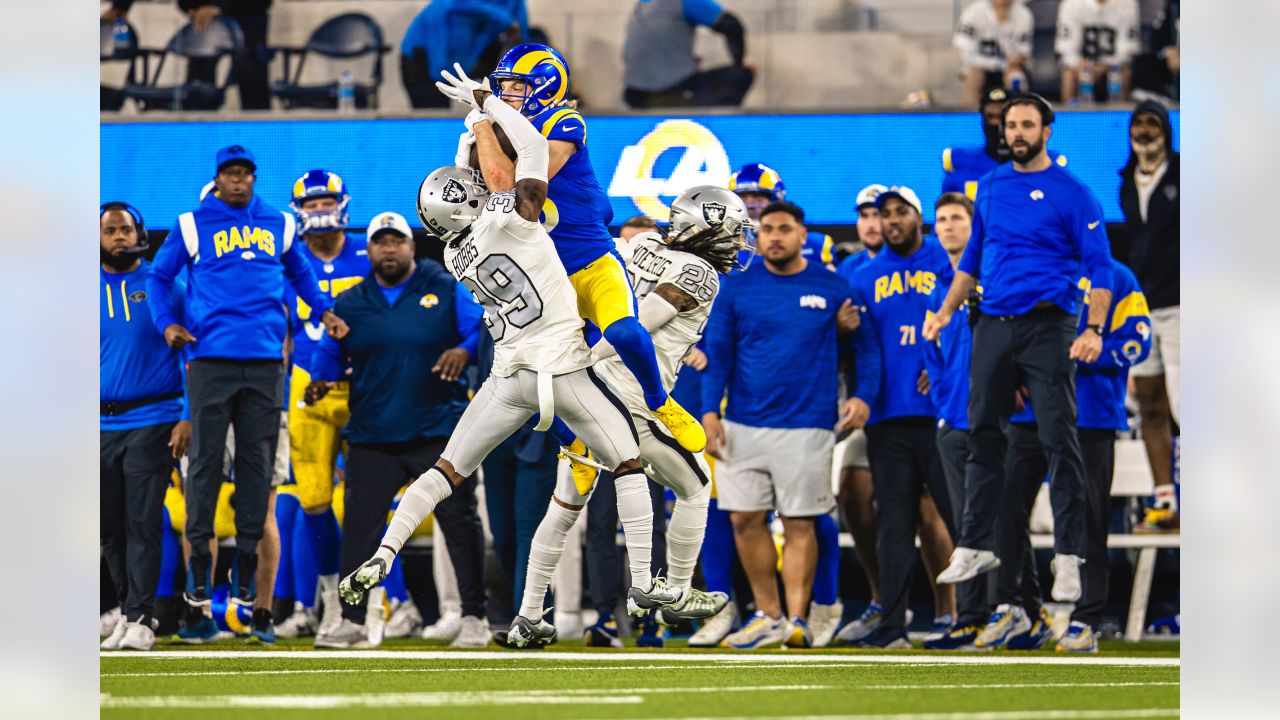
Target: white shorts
{"points": [[1165, 358], [855, 451], [590, 408], [782, 469]]}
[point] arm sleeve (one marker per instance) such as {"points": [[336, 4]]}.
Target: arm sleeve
{"points": [[325, 363], [303, 281], [866, 355], [702, 12], [735, 36], [1067, 42], [719, 347], [1095, 249], [532, 156], [467, 313], [654, 312], [170, 258], [971, 260]]}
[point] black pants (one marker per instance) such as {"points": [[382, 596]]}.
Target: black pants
{"points": [[1099, 448], [375, 473], [1030, 349], [904, 461], [1017, 582], [605, 567], [248, 70], [972, 597], [246, 395], [721, 86], [516, 494], [134, 473]]}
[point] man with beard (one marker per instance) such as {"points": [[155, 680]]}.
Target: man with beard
{"points": [[413, 330], [238, 252], [776, 439], [857, 495], [962, 167], [1035, 228], [1149, 198], [143, 425], [892, 293]]}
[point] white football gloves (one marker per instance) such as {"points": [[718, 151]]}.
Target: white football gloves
{"points": [[461, 89]]}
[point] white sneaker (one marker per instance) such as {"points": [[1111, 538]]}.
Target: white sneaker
{"points": [[760, 631], [405, 620], [346, 635], [1006, 622], [716, 628], [967, 564], [824, 620], [330, 609], [445, 629], [117, 634], [138, 636], [302, 623], [107, 623], [1066, 577], [473, 633]]}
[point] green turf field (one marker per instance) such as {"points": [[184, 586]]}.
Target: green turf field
{"points": [[413, 680]]}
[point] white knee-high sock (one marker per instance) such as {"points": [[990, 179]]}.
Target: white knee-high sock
{"points": [[685, 532], [420, 499], [635, 510], [544, 555]]}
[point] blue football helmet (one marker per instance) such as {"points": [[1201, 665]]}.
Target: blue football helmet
{"points": [[541, 67], [758, 178], [320, 183]]}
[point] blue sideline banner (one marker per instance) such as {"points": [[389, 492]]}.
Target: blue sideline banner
{"points": [[642, 162]]}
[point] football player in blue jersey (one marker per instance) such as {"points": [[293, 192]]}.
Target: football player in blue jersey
{"points": [[758, 185], [963, 167], [340, 260], [534, 79]]}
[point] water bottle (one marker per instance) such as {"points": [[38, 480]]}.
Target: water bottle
{"points": [[1085, 96], [1017, 81], [346, 93], [120, 37], [1115, 84]]}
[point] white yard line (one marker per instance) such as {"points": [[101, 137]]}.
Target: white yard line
{"points": [[990, 715], [588, 696], [550, 668], [781, 658]]}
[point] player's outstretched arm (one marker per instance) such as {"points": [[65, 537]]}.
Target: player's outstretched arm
{"points": [[532, 157]]}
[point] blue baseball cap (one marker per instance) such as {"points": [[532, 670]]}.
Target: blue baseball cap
{"points": [[235, 154]]}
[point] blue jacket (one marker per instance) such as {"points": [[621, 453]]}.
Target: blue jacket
{"points": [[948, 361], [893, 292], [391, 349], [963, 167], [772, 341], [459, 30], [1101, 385], [239, 259], [133, 360], [1032, 233]]}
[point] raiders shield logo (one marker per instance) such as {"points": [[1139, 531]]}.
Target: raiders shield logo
{"points": [[713, 213], [453, 192]]}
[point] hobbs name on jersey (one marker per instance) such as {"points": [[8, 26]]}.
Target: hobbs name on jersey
{"points": [[463, 259]]}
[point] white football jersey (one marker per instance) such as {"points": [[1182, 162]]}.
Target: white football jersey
{"points": [[985, 42], [1102, 32], [510, 265], [651, 263]]}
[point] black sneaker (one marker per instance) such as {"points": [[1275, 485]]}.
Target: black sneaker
{"points": [[244, 568], [199, 569], [883, 638]]}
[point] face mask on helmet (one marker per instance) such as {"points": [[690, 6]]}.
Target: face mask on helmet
{"points": [[449, 200], [320, 184], [543, 71]]}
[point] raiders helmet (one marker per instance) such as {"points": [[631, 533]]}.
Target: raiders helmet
{"points": [[711, 222], [449, 200]]}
